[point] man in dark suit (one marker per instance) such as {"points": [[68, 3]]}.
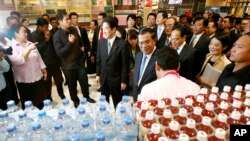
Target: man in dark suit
{"points": [[199, 41], [112, 62], [160, 29], [144, 72], [186, 53], [71, 52]]}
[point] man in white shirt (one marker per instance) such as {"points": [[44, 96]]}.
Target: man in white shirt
{"points": [[169, 83]]}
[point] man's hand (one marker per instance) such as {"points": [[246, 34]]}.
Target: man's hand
{"points": [[45, 75], [92, 59], [83, 49], [123, 86], [97, 79], [32, 46], [71, 38]]}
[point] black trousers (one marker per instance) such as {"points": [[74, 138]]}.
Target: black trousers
{"points": [[113, 89], [72, 76], [5, 96], [55, 72], [34, 92]]}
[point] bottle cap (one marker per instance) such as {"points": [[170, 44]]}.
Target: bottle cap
{"points": [[128, 121], [224, 96], [57, 125], [167, 113], [139, 98], [189, 101], [144, 105], [11, 127], [122, 109], [102, 107], [27, 104], [190, 123], [201, 136], [47, 102], [162, 139], [197, 110], [174, 125], [200, 98], [61, 112], [83, 100], [149, 115], [210, 106], [85, 123], [220, 133], [247, 112], [223, 105], [102, 98], [183, 137], [125, 98], [236, 103], [41, 114], [10, 103], [161, 104], [247, 102], [236, 115], [215, 89], [203, 91], [175, 103], [182, 112], [22, 114], [238, 88], [100, 136], [206, 121], [237, 94], [222, 117], [65, 101], [247, 87], [248, 94], [227, 89], [212, 97], [106, 119], [155, 128], [81, 110], [36, 125]]}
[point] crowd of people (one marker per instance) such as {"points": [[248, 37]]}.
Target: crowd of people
{"points": [[167, 57]]}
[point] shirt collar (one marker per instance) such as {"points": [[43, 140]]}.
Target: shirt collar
{"points": [[198, 35], [111, 41], [181, 47], [149, 55]]}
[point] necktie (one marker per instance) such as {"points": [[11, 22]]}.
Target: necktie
{"points": [[109, 47], [159, 33], [78, 30], [192, 41], [143, 63], [101, 33]]}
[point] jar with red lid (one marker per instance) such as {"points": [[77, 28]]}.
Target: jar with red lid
{"points": [[166, 118], [189, 129], [181, 117], [246, 104], [220, 135], [146, 123], [221, 122], [142, 112], [205, 125], [174, 107], [234, 118], [172, 132], [154, 134], [223, 108], [236, 106], [199, 102], [246, 116], [188, 105], [204, 93], [208, 111], [236, 96], [214, 99], [196, 115], [159, 109]]}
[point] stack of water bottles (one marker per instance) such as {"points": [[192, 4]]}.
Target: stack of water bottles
{"points": [[87, 122]]}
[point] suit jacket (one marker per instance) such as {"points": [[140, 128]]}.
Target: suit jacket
{"points": [[148, 76], [84, 38], [201, 50], [187, 61], [113, 68], [95, 41], [161, 42]]}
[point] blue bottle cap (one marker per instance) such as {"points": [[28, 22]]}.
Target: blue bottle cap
{"points": [[11, 127], [65, 101], [22, 114], [83, 100], [125, 98], [36, 125], [27, 104], [100, 136], [106, 120], [128, 121], [41, 114], [102, 107], [122, 109], [81, 110], [3, 114], [102, 98], [74, 137], [10, 103], [61, 112], [57, 125], [85, 123], [47, 102]]}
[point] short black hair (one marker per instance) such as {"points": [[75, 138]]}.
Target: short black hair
{"points": [[52, 19], [151, 14], [41, 22], [9, 18], [111, 21], [72, 14], [237, 20], [24, 20], [60, 15], [204, 21], [132, 16], [104, 15], [215, 17], [180, 28], [45, 15], [216, 25], [164, 14], [15, 13], [167, 58], [224, 39], [95, 22], [132, 34], [138, 17], [182, 16], [148, 30], [231, 19]]}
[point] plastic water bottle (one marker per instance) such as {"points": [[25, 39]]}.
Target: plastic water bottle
{"points": [[31, 110], [100, 136], [83, 115], [100, 114], [70, 110], [86, 131], [39, 134], [59, 132], [66, 120], [50, 110], [84, 103], [13, 109], [45, 121], [108, 128], [5, 120], [120, 117], [24, 123], [102, 101], [14, 135], [129, 132], [125, 102]]}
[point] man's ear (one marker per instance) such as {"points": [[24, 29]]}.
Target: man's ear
{"points": [[157, 67]]}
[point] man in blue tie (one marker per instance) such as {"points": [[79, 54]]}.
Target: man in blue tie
{"points": [[144, 61]]}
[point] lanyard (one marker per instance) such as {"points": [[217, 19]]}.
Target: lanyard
{"points": [[173, 72]]}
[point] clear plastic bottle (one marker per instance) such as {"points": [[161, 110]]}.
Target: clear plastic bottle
{"points": [[196, 115], [154, 134], [223, 108], [107, 127], [102, 101], [120, 117], [188, 105], [24, 123], [100, 136], [100, 114], [14, 135], [208, 111], [70, 109], [234, 118], [173, 131], [12, 109], [125, 102], [31, 110], [220, 135], [5, 120], [199, 102], [205, 125], [88, 108], [66, 120], [45, 121], [181, 117], [83, 115], [50, 110], [174, 107], [221, 122], [39, 134], [86, 131], [129, 130], [60, 134], [189, 129], [166, 118]]}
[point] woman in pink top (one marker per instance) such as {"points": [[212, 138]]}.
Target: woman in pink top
{"points": [[29, 68]]}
